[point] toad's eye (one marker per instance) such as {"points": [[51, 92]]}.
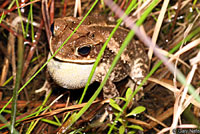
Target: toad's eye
{"points": [[52, 29], [84, 51]]}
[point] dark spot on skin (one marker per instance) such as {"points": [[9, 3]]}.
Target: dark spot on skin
{"points": [[91, 35], [72, 49], [52, 29], [89, 22]]}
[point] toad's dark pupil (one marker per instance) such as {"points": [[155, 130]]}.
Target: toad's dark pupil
{"points": [[84, 51], [52, 29]]}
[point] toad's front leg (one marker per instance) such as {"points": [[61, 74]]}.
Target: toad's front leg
{"points": [[110, 90]]}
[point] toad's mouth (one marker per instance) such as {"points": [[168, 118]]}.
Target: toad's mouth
{"points": [[88, 61]]}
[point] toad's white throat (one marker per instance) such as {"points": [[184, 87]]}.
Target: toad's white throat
{"points": [[69, 75]]}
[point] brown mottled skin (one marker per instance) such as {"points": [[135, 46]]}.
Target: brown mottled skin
{"points": [[93, 33]]}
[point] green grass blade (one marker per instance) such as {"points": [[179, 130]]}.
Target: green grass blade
{"points": [[9, 7], [17, 83], [33, 123], [7, 125], [22, 24]]}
